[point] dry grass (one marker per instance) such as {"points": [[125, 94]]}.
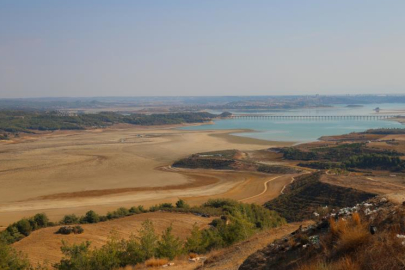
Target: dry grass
{"points": [[352, 239], [156, 262], [44, 245], [349, 245], [356, 219]]}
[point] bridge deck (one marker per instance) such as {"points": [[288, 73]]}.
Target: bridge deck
{"points": [[360, 117]]}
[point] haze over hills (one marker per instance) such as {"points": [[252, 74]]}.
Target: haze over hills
{"points": [[196, 102]]}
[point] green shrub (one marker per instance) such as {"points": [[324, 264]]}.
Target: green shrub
{"points": [[169, 246], [69, 229], [41, 220], [148, 239], [24, 226], [195, 242], [182, 204], [133, 252], [90, 217], [120, 212], [12, 260], [70, 219], [220, 203]]}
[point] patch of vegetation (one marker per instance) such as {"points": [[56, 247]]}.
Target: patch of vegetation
{"points": [[26, 121], [306, 194], [346, 156], [228, 154], [4, 136], [375, 161], [225, 160], [238, 222], [204, 163], [385, 131], [276, 169], [24, 227], [336, 153], [70, 229], [13, 260]]}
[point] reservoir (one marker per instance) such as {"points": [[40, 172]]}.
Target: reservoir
{"points": [[305, 130]]}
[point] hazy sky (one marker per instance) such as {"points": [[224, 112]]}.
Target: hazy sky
{"points": [[198, 47]]}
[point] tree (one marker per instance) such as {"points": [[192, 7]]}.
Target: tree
{"points": [[70, 219], [10, 259], [76, 257], [238, 229], [182, 204], [108, 256], [24, 226], [148, 239], [41, 220], [90, 217], [194, 242], [169, 246], [133, 252]]}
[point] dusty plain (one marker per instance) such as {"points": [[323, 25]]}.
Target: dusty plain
{"points": [[102, 169]]}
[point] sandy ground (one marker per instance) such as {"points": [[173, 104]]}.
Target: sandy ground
{"points": [[71, 172], [44, 245]]}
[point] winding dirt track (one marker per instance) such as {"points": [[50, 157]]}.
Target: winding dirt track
{"points": [[261, 193]]}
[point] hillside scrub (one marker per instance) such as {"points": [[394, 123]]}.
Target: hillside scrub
{"points": [[346, 156], [10, 259], [22, 228], [366, 236], [307, 194], [238, 222]]}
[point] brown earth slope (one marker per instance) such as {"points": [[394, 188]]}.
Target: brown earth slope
{"points": [[44, 245]]}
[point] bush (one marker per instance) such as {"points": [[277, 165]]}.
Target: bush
{"points": [[182, 204], [120, 212], [12, 260], [70, 219], [90, 217], [148, 239], [41, 220], [169, 246], [195, 242], [69, 229], [24, 227], [220, 203]]}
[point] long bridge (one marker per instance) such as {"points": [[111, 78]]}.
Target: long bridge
{"points": [[315, 117]]}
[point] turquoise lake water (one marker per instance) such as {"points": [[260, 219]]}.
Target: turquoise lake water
{"points": [[306, 130]]}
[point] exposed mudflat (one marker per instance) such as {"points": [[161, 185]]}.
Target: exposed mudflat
{"points": [[73, 171]]}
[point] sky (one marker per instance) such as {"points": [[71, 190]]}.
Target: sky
{"points": [[199, 47]]}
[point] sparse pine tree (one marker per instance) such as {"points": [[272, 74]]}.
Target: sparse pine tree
{"points": [[148, 239], [195, 242], [133, 252], [169, 246]]}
